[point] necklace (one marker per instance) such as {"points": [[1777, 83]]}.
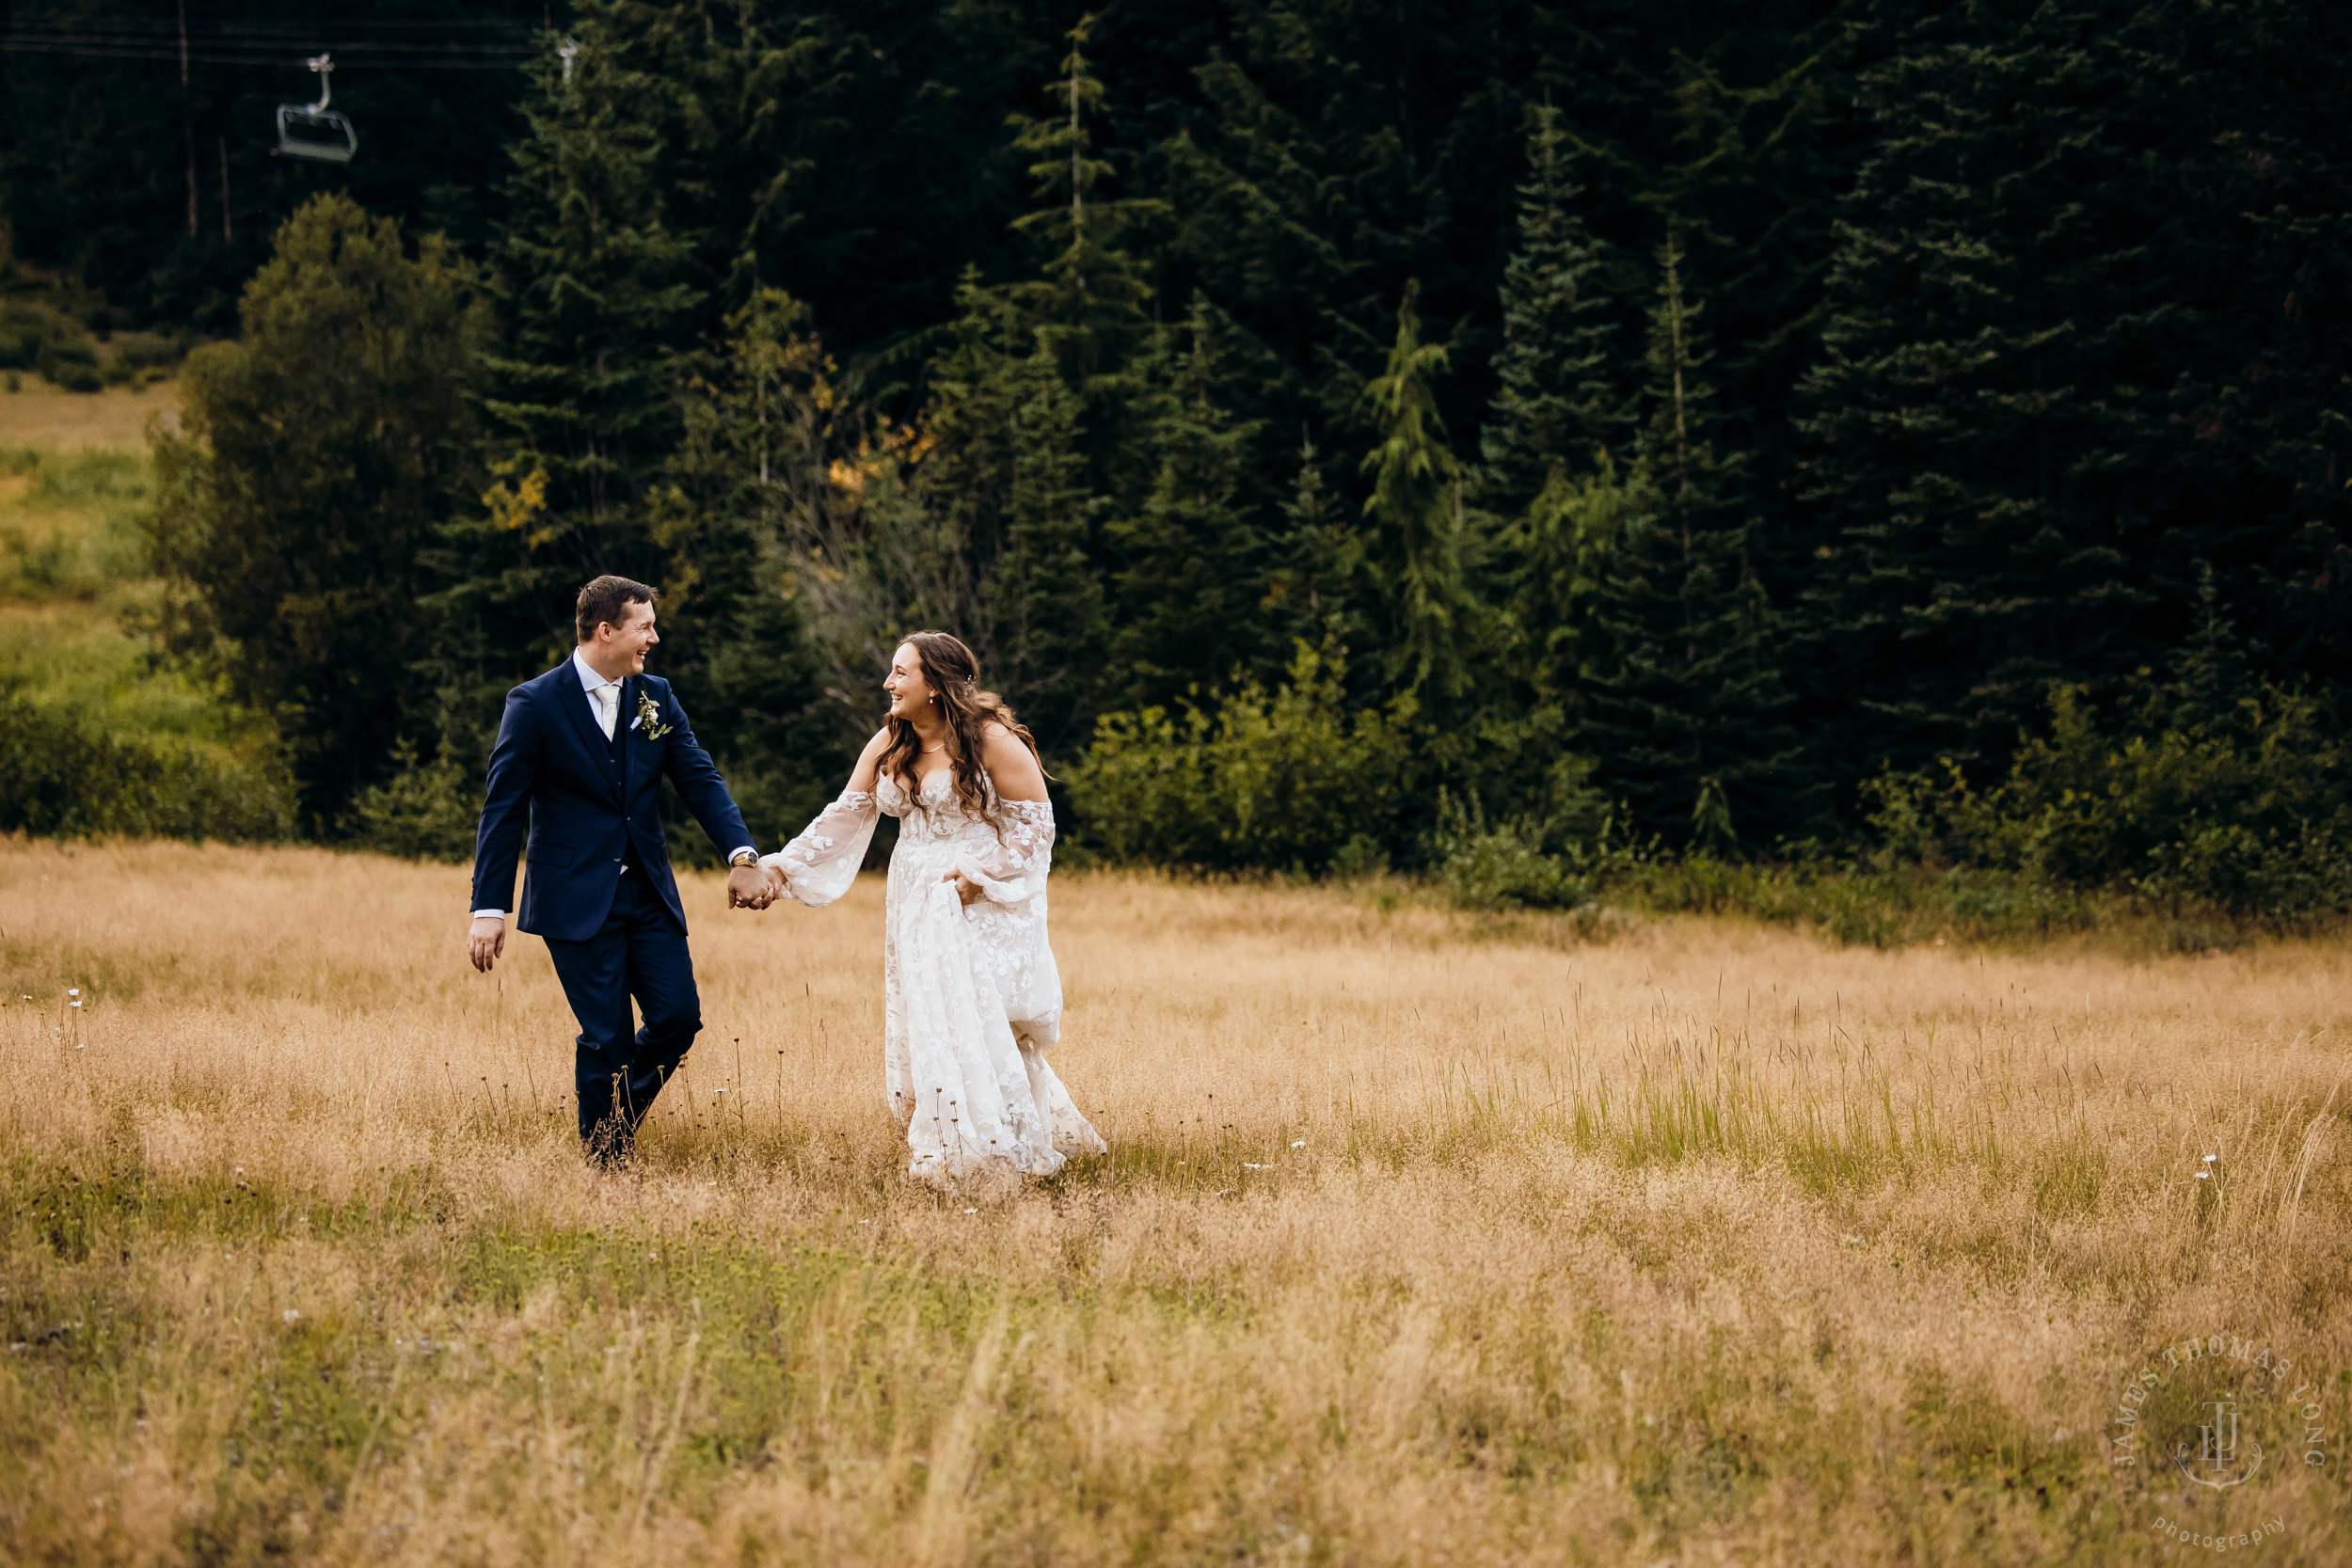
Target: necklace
{"points": [[929, 750]]}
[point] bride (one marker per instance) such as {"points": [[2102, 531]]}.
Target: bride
{"points": [[971, 996]]}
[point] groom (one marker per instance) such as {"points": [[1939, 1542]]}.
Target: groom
{"points": [[580, 756]]}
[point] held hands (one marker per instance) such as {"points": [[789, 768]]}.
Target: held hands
{"points": [[748, 887], [486, 942], [752, 886], [966, 889]]}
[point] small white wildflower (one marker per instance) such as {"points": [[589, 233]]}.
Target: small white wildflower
{"points": [[1300, 1143], [74, 990], [2204, 1176], [971, 1211], [73, 1004], [1246, 1166], [2210, 1158], [293, 1316]]}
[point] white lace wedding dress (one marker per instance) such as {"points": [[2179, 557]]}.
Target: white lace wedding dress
{"points": [[972, 998]]}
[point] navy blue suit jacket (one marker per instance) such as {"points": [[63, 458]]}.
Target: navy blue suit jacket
{"points": [[552, 772]]}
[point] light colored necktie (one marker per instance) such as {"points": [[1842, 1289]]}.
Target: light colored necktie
{"points": [[608, 706]]}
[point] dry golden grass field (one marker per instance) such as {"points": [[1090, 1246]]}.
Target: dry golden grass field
{"points": [[1420, 1241], [39, 415]]}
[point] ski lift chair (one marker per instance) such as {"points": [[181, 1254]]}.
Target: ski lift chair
{"points": [[310, 130]]}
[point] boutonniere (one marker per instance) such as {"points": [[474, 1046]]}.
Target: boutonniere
{"points": [[650, 716]]}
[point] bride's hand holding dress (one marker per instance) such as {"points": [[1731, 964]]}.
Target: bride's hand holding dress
{"points": [[972, 998]]}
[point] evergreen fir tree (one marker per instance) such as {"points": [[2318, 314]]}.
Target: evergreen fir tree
{"points": [[1336, 153], [1555, 555], [1684, 714], [1967, 574], [1008, 505], [1314, 594], [1044, 593], [2072, 351], [1090, 302], [963, 474], [1546, 475], [750, 498], [1745, 148], [1039, 425], [1189, 572], [1555, 407], [2213, 678], [595, 296], [1415, 550]]}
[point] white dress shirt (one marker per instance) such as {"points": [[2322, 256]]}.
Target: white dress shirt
{"points": [[603, 695], [604, 700]]}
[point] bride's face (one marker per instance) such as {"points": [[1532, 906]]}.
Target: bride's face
{"points": [[910, 695]]}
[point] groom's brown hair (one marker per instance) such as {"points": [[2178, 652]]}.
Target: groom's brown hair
{"points": [[608, 599]]}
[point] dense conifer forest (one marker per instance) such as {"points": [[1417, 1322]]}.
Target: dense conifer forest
{"points": [[1495, 439]]}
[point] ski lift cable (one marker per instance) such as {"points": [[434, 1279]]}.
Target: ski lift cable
{"points": [[172, 56], [492, 44], [372, 54], [242, 28], [112, 40]]}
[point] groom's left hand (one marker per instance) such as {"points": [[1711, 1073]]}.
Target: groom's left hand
{"points": [[748, 889]]}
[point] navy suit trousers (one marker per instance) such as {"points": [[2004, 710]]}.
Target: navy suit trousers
{"points": [[640, 952]]}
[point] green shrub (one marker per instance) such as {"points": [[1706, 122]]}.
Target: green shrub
{"points": [[34, 336], [426, 810], [2208, 790], [63, 776], [73, 375], [1287, 780], [1497, 867], [148, 351], [57, 349], [96, 738], [2248, 809], [80, 527], [1359, 859]]}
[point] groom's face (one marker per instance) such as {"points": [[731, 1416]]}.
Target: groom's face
{"points": [[620, 651]]}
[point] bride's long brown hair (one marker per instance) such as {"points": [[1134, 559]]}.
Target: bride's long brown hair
{"points": [[954, 677]]}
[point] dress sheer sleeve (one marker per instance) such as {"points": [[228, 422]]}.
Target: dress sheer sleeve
{"points": [[1009, 865], [819, 865]]}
